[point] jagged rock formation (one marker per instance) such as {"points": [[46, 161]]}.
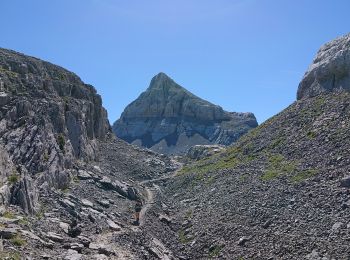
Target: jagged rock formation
{"points": [[48, 119], [169, 119], [281, 192], [330, 70], [66, 182]]}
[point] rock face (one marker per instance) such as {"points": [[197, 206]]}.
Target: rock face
{"points": [[169, 119], [48, 119], [330, 70]]}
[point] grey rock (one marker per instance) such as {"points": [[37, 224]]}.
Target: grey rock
{"points": [[73, 255], [104, 203], [345, 182], [113, 226], [330, 70], [102, 248], [336, 226], [83, 175], [164, 218], [198, 152], [99, 257], [87, 203], [107, 182], [55, 237], [243, 240], [169, 119], [64, 226], [77, 247], [84, 240], [49, 119], [4, 98], [8, 233]]}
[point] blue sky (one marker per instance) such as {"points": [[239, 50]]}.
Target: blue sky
{"points": [[245, 55]]}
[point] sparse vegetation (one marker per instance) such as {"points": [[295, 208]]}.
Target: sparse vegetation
{"points": [[10, 255], [61, 141], [75, 179], [40, 213], [278, 165], [18, 240], [311, 134], [303, 175], [183, 238], [8, 214], [13, 178], [46, 157], [189, 214], [215, 251]]}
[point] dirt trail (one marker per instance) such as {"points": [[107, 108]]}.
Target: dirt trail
{"points": [[149, 192]]}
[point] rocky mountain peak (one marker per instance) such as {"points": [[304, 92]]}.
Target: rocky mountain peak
{"points": [[162, 81], [170, 119], [329, 71]]}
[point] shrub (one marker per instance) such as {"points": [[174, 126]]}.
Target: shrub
{"points": [[61, 141], [13, 178]]}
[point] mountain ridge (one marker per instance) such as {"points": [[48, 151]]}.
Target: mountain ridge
{"points": [[168, 112]]}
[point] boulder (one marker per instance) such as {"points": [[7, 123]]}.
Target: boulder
{"points": [[345, 182], [84, 175], [8, 233], [87, 203], [55, 237], [113, 226]]}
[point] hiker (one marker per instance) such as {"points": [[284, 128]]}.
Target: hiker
{"points": [[138, 208]]}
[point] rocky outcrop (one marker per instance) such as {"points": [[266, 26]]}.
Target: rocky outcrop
{"points": [[330, 70], [198, 152], [48, 119], [169, 119]]}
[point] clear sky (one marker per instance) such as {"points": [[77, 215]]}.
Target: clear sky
{"points": [[244, 55]]}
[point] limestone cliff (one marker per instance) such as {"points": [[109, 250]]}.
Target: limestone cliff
{"points": [[48, 119], [329, 71], [169, 119]]}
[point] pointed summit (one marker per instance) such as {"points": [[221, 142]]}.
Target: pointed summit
{"points": [[169, 119], [162, 81]]}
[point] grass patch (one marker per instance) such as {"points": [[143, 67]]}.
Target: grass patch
{"points": [[18, 240], [270, 174], [40, 213], [311, 134], [10, 255], [303, 175], [13, 178], [228, 159], [278, 165], [24, 221], [215, 251], [9, 215], [183, 238]]}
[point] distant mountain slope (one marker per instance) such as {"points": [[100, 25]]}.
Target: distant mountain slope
{"points": [[169, 119], [282, 191]]}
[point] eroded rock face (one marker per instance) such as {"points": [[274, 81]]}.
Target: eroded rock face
{"points": [[330, 70], [169, 119], [48, 119]]}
